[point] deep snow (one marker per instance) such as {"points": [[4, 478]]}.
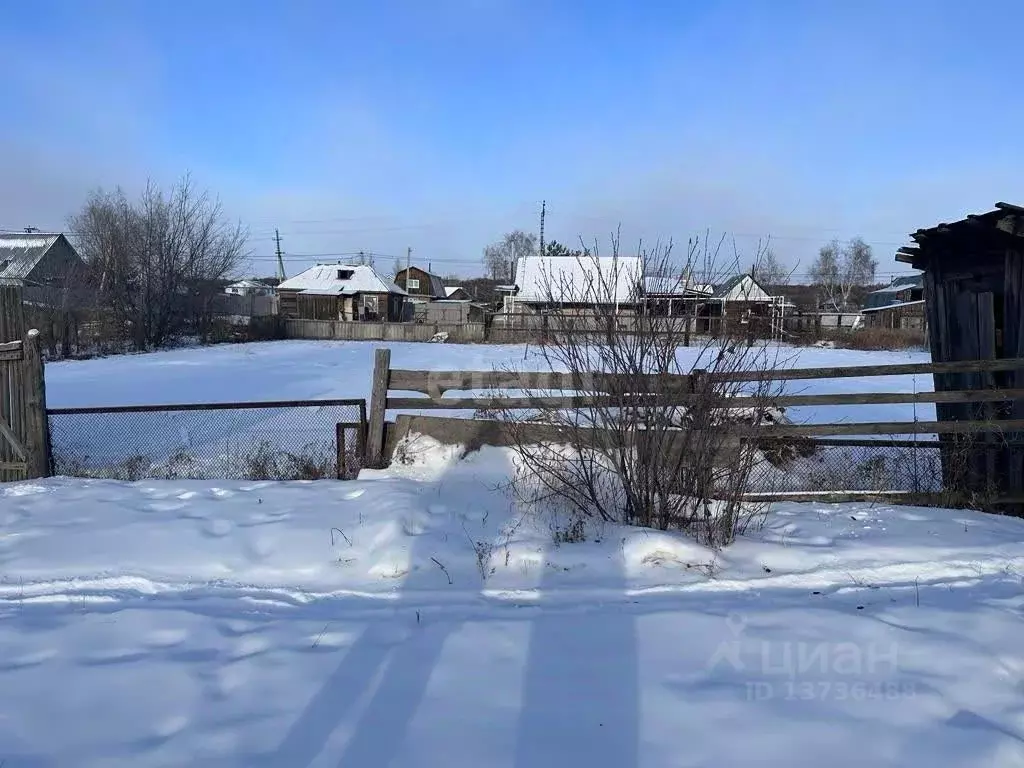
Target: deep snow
{"points": [[414, 618], [410, 618]]}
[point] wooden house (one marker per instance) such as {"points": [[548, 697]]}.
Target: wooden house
{"points": [[45, 265], [740, 305], [974, 302], [420, 284], [340, 292], [897, 306]]}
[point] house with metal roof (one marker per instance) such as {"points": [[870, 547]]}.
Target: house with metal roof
{"points": [[341, 292], [45, 265], [899, 305], [249, 288], [583, 281]]}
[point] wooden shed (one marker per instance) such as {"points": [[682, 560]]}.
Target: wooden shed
{"points": [[974, 302]]}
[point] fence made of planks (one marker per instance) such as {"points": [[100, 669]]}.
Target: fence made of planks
{"points": [[24, 446], [370, 331], [974, 456]]}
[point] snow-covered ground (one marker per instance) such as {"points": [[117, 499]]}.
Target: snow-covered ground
{"points": [[410, 618], [413, 617]]}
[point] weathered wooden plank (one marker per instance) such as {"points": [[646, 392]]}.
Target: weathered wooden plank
{"points": [[12, 440], [207, 406], [11, 351], [898, 369], [848, 442], [590, 401], [378, 407], [887, 428], [475, 433], [436, 383], [37, 433], [13, 466]]}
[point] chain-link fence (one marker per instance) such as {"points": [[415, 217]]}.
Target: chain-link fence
{"points": [[833, 465], [287, 440]]}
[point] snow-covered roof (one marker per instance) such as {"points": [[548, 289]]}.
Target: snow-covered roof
{"points": [[323, 280], [581, 280], [247, 284], [451, 290], [902, 284], [893, 306], [741, 288], [20, 252]]}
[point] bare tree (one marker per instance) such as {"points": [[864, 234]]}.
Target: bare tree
{"points": [[839, 269], [769, 271], [649, 437], [159, 259], [397, 267], [500, 258]]}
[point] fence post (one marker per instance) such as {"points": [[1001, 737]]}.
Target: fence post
{"points": [[37, 430], [339, 446], [378, 407]]}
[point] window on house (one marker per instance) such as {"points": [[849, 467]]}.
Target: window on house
{"points": [[345, 274], [412, 282]]}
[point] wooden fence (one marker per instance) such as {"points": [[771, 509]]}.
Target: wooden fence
{"points": [[24, 437], [462, 333], [1003, 438]]}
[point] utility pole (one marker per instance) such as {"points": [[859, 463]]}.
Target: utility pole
{"points": [[408, 265], [362, 258], [280, 259], [543, 210]]}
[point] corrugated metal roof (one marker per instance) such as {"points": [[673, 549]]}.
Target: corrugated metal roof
{"points": [[884, 297], [752, 291], [322, 280], [893, 306], [21, 251]]}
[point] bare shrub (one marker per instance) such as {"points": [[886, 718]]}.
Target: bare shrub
{"points": [[880, 339], [651, 438]]}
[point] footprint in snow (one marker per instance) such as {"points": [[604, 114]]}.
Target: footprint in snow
{"points": [[221, 493], [354, 494]]}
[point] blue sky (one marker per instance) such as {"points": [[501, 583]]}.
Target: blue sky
{"points": [[440, 124]]}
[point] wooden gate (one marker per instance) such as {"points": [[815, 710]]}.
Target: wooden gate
{"points": [[24, 437]]}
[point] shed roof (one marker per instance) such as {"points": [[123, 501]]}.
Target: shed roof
{"points": [[322, 280], [898, 304], [579, 280], [20, 252], [753, 291], [1003, 224]]}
